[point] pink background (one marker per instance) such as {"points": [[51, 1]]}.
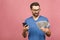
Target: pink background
{"points": [[14, 12]]}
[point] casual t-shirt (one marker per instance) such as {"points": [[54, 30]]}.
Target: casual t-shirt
{"points": [[34, 32]]}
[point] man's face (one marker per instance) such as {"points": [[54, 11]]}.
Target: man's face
{"points": [[35, 10]]}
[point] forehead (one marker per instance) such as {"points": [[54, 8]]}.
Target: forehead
{"points": [[35, 7]]}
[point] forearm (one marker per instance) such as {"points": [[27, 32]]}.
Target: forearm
{"points": [[24, 33], [48, 33]]}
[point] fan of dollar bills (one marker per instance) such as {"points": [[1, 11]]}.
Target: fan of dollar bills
{"points": [[44, 24]]}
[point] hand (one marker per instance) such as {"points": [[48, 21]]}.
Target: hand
{"points": [[43, 29], [26, 28]]}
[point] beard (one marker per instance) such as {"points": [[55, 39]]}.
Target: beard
{"points": [[35, 14]]}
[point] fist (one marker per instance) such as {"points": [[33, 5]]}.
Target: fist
{"points": [[26, 28], [43, 29]]}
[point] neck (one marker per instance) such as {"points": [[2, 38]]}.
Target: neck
{"points": [[35, 18]]}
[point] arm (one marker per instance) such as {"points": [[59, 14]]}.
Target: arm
{"points": [[25, 32], [47, 31]]}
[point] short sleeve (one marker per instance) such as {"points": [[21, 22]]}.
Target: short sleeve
{"points": [[48, 25]]}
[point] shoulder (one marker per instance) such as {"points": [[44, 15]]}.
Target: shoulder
{"points": [[29, 18], [44, 18]]}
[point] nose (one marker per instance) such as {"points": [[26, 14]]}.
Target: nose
{"points": [[36, 11]]}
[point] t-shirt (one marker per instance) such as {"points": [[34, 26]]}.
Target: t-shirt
{"points": [[34, 32]]}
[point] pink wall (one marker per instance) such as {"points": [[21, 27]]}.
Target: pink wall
{"points": [[13, 13]]}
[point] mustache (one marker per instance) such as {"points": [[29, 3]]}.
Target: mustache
{"points": [[36, 13]]}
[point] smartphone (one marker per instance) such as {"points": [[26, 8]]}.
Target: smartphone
{"points": [[24, 24]]}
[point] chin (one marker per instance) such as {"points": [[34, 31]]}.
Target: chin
{"points": [[36, 15]]}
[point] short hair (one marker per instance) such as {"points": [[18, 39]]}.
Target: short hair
{"points": [[34, 4]]}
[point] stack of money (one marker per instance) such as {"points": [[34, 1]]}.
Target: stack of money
{"points": [[44, 24]]}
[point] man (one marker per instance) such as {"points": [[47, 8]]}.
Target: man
{"points": [[31, 28]]}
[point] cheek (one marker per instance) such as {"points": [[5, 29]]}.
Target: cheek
{"points": [[33, 11]]}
